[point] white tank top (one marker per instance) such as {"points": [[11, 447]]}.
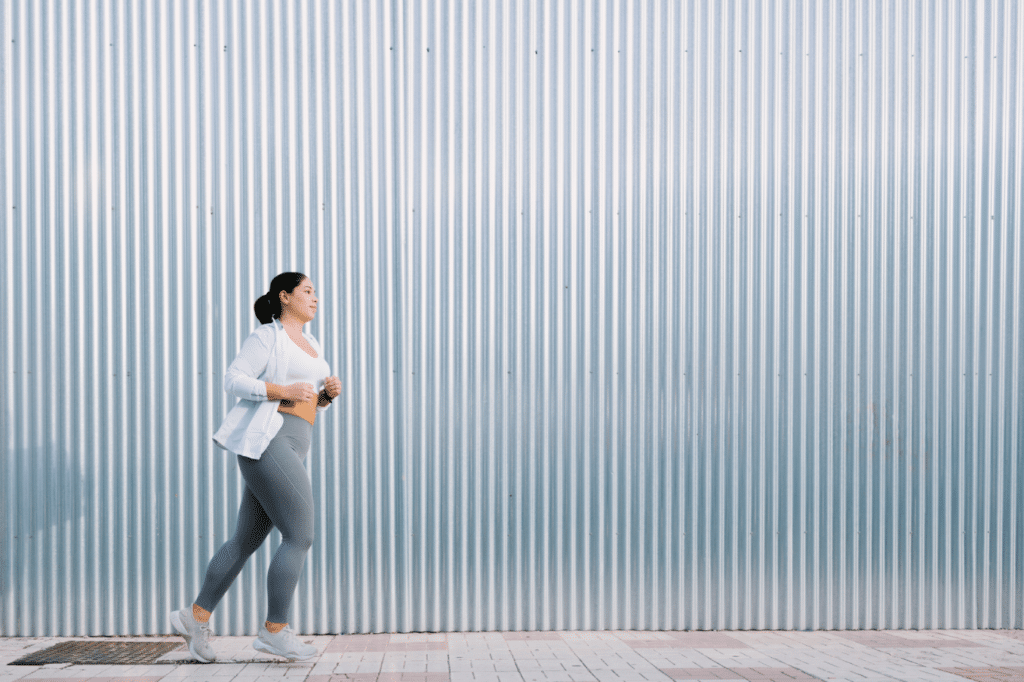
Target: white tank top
{"points": [[305, 368]]}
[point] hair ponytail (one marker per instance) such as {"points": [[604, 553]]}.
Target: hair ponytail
{"points": [[264, 309], [268, 306]]}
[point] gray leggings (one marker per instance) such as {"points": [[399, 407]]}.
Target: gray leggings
{"points": [[277, 494]]}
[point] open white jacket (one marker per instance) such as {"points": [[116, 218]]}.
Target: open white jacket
{"points": [[253, 422]]}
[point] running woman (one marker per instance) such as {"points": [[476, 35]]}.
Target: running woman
{"points": [[282, 382]]}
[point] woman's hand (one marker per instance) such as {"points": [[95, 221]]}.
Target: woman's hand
{"points": [[299, 392], [332, 387]]}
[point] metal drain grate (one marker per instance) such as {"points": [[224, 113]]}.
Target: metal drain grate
{"points": [[110, 653]]}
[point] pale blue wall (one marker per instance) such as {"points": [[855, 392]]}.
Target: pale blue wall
{"points": [[649, 314]]}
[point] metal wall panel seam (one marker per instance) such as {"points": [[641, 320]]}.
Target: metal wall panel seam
{"points": [[7, 221], [13, 240], [1015, 214]]}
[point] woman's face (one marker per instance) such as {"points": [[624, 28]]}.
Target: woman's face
{"points": [[301, 302]]}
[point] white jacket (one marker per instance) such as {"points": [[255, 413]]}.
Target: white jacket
{"points": [[253, 422]]}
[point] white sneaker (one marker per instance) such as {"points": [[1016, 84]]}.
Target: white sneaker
{"points": [[195, 633], [285, 644]]}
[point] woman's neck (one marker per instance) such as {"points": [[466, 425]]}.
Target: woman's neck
{"points": [[292, 325]]}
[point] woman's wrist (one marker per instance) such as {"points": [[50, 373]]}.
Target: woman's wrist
{"points": [[324, 398], [274, 392]]}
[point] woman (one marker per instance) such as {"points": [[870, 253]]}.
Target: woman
{"points": [[282, 382]]}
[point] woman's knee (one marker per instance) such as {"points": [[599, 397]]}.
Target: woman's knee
{"points": [[248, 544], [301, 537]]}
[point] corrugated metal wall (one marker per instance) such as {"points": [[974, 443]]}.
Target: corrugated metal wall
{"points": [[649, 314]]}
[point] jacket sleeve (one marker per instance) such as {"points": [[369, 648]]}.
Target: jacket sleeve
{"points": [[241, 378]]}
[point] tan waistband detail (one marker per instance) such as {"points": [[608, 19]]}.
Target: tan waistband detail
{"points": [[305, 410]]}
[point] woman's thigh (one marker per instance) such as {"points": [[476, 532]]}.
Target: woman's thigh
{"points": [[280, 482]]}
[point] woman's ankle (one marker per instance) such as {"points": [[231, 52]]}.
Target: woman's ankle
{"points": [[274, 628]]}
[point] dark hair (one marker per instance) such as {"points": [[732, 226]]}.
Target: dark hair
{"points": [[268, 306]]}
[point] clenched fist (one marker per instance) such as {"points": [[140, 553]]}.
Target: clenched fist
{"points": [[332, 387]]}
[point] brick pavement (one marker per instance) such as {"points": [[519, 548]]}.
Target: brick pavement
{"points": [[864, 656]]}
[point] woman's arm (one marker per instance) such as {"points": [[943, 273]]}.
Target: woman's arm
{"points": [[275, 392], [240, 379]]}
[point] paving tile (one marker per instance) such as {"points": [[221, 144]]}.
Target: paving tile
{"points": [[576, 675], [701, 674], [962, 658], [989, 674], [783, 674], [77, 678], [357, 643], [742, 658], [1012, 634], [772, 674], [183, 669], [883, 639], [593, 637], [690, 640]]}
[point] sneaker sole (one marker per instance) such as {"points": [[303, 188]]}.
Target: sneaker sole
{"points": [[260, 645], [183, 631]]}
